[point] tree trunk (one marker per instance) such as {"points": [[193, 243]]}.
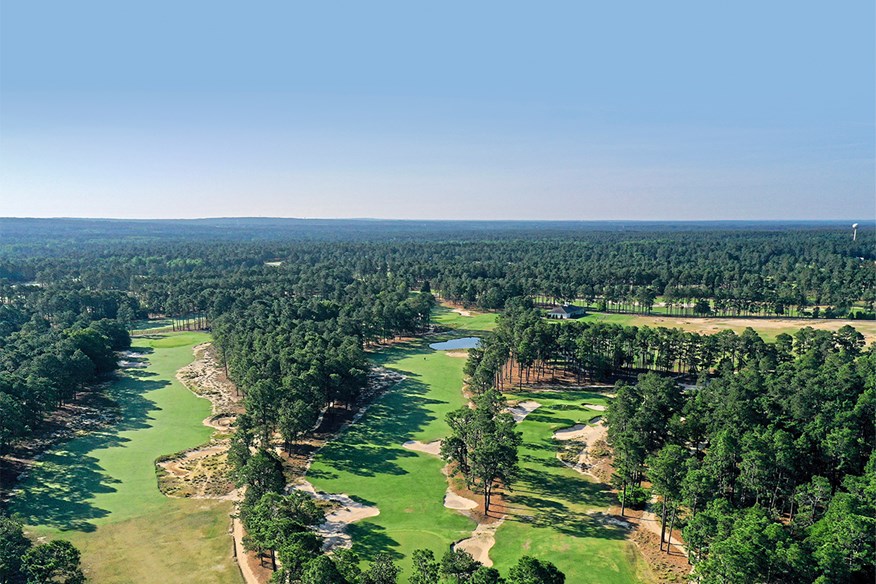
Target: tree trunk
{"points": [[663, 524], [624, 499], [671, 525]]}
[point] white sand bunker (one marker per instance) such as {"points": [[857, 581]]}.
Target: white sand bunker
{"points": [[458, 502], [433, 448], [582, 433], [334, 530], [595, 407], [125, 364], [523, 409], [482, 540], [462, 312]]}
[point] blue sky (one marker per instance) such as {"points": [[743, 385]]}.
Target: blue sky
{"points": [[578, 110]]}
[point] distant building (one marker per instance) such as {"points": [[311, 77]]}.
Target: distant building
{"points": [[567, 311]]}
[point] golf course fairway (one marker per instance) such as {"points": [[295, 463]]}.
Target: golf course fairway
{"points": [[100, 491]]}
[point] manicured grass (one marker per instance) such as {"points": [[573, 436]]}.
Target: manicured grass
{"points": [[478, 321], [548, 506], [100, 490], [369, 463]]}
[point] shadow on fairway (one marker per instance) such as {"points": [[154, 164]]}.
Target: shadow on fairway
{"points": [[59, 489], [370, 539], [372, 447]]}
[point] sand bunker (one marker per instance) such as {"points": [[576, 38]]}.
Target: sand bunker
{"points": [[462, 312], [586, 436], [433, 448], [482, 540], [595, 407], [458, 502], [523, 409], [125, 364], [345, 511]]}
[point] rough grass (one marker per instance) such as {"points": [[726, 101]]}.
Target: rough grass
{"points": [[100, 490], [549, 505]]}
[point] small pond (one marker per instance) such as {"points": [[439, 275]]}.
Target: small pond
{"points": [[463, 343]]}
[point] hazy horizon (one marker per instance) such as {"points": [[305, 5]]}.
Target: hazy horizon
{"points": [[687, 112]]}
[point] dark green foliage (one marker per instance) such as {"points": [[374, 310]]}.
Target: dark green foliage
{"points": [[458, 565], [483, 444], [13, 545], [425, 567], [53, 562], [381, 571], [529, 570]]}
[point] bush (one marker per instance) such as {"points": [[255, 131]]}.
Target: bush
{"points": [[636, 498]]}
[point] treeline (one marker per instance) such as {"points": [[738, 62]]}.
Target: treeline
{"points": [[767, 462], [764, 271], [770, 468], [49, 351], [526, 346]]}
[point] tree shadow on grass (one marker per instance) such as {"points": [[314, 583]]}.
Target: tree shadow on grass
{"points": [[374, 445], [369, 539], [60, 488]]}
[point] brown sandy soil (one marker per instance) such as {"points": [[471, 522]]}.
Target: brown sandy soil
{"points": [[463, 500], [778, 325], [586, 450], [254, 567], [205, 377], [202, 473], [667, 567]]}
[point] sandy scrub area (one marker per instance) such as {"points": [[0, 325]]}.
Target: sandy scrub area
{"points": [[587, 440], [344, 511], [777, 325]]}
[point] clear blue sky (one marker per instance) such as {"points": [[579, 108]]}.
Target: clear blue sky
{"points": [[552, 110]]}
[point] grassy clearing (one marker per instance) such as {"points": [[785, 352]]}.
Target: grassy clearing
{"points": [[548, 507], [100, 490], [369, 463], [477, 322]]}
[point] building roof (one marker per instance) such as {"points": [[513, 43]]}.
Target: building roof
{"points": [[567, 309]]}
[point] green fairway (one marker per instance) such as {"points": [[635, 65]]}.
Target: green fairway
{"points": [[369, 463], [100, 490], [548, 517], [478, 321], [548, 507]]}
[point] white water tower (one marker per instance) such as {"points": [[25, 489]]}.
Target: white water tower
{"points": [[854, 232]]}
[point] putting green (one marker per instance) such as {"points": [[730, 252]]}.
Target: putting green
{"points": [[100, 490]]}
